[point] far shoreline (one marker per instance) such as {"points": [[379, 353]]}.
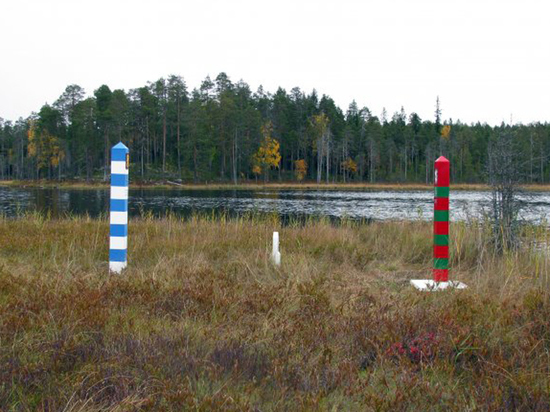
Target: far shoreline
{"points": [[166, 184]]}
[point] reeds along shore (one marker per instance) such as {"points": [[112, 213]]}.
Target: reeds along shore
{"points": [[201, 320]]}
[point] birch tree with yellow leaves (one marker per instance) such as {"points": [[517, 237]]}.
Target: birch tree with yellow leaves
{"points": [[44, 148], [319, 125], [300, 169], [268, 155]]}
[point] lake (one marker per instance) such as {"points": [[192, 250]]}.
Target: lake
{"points": [[354, 204]]}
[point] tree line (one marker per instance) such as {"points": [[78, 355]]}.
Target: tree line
{"points": [[223, 131]]}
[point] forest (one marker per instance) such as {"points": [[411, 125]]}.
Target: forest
{"points": [[224, 132]]}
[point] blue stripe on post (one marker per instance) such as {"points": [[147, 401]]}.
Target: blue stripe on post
{"points": [[118, 155], [119, 180], [119, 230], [117, 255], [119, 205]]}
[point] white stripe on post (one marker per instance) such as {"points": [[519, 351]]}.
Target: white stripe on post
{"points": [[119, 168], [116, 267], [118, 238], [118, 242], [119, 218], [118, 192]]}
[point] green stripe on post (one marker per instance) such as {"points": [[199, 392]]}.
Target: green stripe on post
{"points": [[441, 240], [441, 215], [442, 191], [441, 263]]}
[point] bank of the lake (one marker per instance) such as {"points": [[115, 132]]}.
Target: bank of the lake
{"points": [[201, 320], [78, 184], [260, 185]]}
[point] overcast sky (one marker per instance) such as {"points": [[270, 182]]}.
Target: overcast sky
{"points": [[487, 60]]}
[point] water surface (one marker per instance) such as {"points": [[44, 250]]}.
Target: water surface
{"points": [[354, 204]]}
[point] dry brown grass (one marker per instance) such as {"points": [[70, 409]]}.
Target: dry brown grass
{"points": [[201, 320]]}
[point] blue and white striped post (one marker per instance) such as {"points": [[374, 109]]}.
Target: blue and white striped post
{"points": [[118, 238]]}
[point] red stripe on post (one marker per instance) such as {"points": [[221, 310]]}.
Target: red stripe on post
{"points": [[441, 228], [441, 252], [441, 203], [441, 275], [442, 167]]}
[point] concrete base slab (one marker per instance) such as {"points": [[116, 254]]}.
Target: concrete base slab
{"points": [[429, 285]]}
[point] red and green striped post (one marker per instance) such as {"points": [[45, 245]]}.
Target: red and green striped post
{"points": [[441, 220], [441, 233]]}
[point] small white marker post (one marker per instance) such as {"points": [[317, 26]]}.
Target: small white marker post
{"points": [[275, 254]]}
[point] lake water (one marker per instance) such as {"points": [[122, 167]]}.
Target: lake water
{"points": [[354, 204]]}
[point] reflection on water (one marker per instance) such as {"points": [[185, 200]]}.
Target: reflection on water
{"points": [[377, 205]]}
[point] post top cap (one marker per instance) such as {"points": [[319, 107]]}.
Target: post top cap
{"points": [[442, 159], [120, 145]]}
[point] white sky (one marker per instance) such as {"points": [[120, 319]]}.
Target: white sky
{"points": [[487, 60]]}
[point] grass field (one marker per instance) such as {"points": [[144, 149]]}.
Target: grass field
{"points": [[201, 320]]}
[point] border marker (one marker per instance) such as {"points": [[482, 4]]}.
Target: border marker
{"points": [[441, 233], [118, 236]]}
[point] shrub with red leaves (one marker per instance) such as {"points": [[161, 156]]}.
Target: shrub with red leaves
{"points": [[418, 349]]}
